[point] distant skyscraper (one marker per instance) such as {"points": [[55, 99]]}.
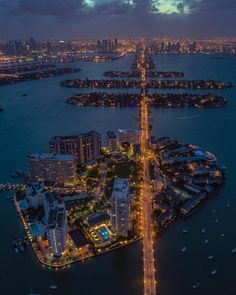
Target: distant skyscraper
{"points": [[105, 45], [192, 47], [169, 47], [85, 147], [116, 44], [32, 44], [162, 47], [49, 46], [120, 206], [60, 169], [99, 45]]}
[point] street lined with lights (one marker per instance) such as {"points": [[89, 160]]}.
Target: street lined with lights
{"points": [[147, 210]]}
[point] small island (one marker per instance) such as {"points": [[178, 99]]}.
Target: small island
{"points": [[11, 78], [164, 100]]}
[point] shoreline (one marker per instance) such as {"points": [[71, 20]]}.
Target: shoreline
{"points": [[61, 265]]}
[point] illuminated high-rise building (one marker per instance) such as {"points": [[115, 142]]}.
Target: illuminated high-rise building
{"points": [[85, 147], [120, 206]]}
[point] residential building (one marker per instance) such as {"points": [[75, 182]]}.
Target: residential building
{"points": [[128, 135], [56, 168], [112, 141], [120, 206], [85, 147], [55, 220], [34, 194], [56, 224]]}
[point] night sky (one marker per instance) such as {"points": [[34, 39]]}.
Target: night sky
{"points": [[117, 18]]}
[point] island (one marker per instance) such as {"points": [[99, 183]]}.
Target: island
{"points": [[67, 206], [11, 78], [165, 100]]}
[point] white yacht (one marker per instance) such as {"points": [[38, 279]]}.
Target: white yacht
{"points": [[195, 286], [184, 249]]}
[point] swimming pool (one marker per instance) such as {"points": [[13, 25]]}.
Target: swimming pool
{"points": [[104, 233]]}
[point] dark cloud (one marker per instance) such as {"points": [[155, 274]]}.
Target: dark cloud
{"points": [[55, 8], [74, 18], [58, 8], [180, 7], [114, 8], [211, 6]]}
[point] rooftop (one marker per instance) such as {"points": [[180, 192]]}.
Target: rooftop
{"points": [[128, 131], [111, 134], [76, 136], [97, 218], [120, 188], [52, 157]]}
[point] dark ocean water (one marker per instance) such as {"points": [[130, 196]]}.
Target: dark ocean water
{"points": [[27, 124]]}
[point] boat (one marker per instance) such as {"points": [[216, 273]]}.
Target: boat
{"points": [[233, 250], [16, 250], [23, 95], [206, 241], [214, 211], [53, 286], [32, 293], [217, 220], [184, 249], [22, 248], [203, 230], [184, 231], [1, 108], [222, 235], [228, 204], [213, 272], [210, 257], [195, 286]]}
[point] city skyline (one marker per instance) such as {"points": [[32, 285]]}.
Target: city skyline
{"points": [[89, 18]]}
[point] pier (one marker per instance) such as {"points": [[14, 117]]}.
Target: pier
{"points": [[7, 187]]}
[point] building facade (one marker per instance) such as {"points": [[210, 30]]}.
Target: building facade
{"points": [[120, 206], [57, 231], [128, 135], [112, 141], [56, 223], [56, 168], [55, 219], [34, 194], [85, 147]]}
